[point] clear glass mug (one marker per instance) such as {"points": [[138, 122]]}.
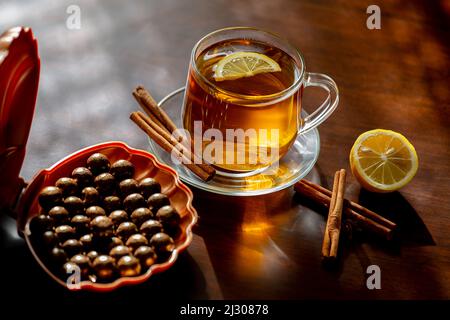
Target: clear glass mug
{"points": [[244, 126]]}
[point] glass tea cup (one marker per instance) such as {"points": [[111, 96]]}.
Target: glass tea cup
{"points": [[243, 99]]}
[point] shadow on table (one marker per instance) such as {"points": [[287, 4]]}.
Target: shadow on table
{"points": [[412, 231]]}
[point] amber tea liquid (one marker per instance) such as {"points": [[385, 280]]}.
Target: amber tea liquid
{"points": [[217, 107]]}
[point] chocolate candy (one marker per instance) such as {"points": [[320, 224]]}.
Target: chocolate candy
{"points": [[126, 229], [87, 242], [118, 216], [83, 176], [128, 186], [134, 201], [67, 185], [74, 205], [158, 200], [83, 262], [169, 217], [104, 267], [58, 256], [59, 215], [50, 197], [112, 203], [98, 163], [64, 232], [149, 186], [105, 184], [95, 211], [49, 238], [146, 255], [102, 227], [40, 224], [140, 215], [150, 228], [80, 223], [136, 240], [92, 255], [122, 169], [119, 251], [72, 246], [90, 196], [162, 243], [114, 242], [129, 266]]}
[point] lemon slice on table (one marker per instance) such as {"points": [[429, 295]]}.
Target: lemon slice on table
{"points": [[383, 160], [243, 64]]}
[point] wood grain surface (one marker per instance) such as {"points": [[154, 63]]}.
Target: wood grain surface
{"points": [[394, 78]]}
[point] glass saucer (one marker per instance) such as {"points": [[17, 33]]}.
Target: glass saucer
{"points": [[295, 165]]}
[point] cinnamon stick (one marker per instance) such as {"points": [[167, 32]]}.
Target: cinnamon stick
{"points": [[333, 228], [336, 215], [326, 237], [356, 207], [165, 125], [164, 143], [187, 152], [362, 221], [150, 106]]}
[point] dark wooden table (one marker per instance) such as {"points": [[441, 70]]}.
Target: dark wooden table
{"points": [[395, 78]]}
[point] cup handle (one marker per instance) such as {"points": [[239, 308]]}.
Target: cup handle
{"points": [[327, 107]]}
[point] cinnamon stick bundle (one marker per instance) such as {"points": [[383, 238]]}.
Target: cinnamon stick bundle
{"points": [[160, 128], [151, 108], [170, 144], [356, 207], [365, 218]]}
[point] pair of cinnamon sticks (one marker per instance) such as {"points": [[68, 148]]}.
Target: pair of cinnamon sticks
{"points": [[339, 207], [160, 128], [364, 217]]}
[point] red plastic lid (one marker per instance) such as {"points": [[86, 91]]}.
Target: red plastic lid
{"points": [[19, 80]]}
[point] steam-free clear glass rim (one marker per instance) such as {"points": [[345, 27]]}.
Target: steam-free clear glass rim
{"points": [[298, 162]]}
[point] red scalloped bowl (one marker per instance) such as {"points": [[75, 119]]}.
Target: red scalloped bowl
{"points": [[146, 166]]}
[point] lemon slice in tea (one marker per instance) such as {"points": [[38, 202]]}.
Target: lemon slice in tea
{"points": [[244, 64], [383, 160]]}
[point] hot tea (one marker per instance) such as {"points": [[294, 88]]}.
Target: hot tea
{"points": [[235, 88]]}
